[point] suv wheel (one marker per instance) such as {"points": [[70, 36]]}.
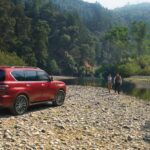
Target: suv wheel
{"points": [[59, 98], [20, 105]]}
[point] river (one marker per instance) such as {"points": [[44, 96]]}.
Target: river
{"points": [[141, 91]]}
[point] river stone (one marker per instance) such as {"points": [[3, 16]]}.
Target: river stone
{"points": [[90, 118]]}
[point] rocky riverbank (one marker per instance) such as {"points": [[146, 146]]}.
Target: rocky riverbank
{"points": [[90, 119]]}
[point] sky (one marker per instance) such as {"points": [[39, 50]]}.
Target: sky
{"points": [[111, 4]]}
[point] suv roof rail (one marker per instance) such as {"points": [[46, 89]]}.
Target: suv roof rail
{"points": [[24, 67], [19, 67]]}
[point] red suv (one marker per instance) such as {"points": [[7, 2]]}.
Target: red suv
{"points": [[21, 87]]}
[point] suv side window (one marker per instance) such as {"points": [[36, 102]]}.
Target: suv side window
{"points": [[30, 75], [42, 76], [18, 75], [2, 75]]}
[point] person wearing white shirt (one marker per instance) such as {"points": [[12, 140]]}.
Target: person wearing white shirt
{"points": [[109, 82]]}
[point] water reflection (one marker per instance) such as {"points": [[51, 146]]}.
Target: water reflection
{"points": [[132, 89], [127, 88], [85, 81]]}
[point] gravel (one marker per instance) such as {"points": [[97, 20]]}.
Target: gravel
{"points": [[90, 119]]}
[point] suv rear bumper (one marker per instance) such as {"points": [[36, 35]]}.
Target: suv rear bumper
{"points": [[6, 101]]}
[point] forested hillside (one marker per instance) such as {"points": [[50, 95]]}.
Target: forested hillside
{"points": [[130, 13], [72, 37], [93, 15], [44, 37]]}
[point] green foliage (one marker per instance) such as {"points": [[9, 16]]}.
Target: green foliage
{"points": [[10, 59], [145, 71], [65, 39], [140, 66], [139, 31], [73, 37], [29, 56], [71, 66], [40, 35], [128, 69], [105, 70], [54, 68], [130, 13], [116, 45], [98, 72], [94, 16], [144, 61], [82, 71]]}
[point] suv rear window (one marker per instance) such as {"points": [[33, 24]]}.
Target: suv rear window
{"points": [[30, 75], [2, 75], [18, 75], [42, 76]]}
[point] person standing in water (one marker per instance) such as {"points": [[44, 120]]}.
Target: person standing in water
{"points": [[109, 82], [118, 83]]}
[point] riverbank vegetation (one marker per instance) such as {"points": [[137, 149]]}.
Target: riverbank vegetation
{"points": [[139, 79], [75, 38], [12, 59]]}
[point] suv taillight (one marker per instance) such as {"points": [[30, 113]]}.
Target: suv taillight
{"points": [[4, 86]]}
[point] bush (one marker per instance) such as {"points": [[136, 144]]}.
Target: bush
{"points": [[105, 70], [82, 71], [54, 68], [99, 71], [145, 71], [129, 69], [144, 61], [10, 59]]}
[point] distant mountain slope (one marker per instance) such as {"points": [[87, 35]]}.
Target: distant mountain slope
{"points": [[95, 17], [130, 13], [99, 19]]}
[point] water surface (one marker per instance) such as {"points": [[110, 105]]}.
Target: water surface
{"points": [[127, 87]]}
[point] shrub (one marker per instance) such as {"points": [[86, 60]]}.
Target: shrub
{"points": [[99, 71], [54, 68], [10, 59], [129, 69], [145, 71], [144, 61]]}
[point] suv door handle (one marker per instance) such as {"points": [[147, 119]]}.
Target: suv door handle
{"points": [[28, 84], [43, 84]]}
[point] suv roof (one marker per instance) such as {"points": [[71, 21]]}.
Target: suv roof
{"points": [[19, 67]]}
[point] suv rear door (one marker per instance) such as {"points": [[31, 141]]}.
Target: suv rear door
{"points": [[33, 86], [43, 78]]}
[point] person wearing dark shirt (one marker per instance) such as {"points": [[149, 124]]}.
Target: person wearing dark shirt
{"points": [[117, 83]]}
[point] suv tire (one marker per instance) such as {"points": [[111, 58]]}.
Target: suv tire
{"points": [[20, 105], [59, 98]]}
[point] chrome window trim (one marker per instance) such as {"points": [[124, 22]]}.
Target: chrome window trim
{"points": [[13, 76], [27, 81]]}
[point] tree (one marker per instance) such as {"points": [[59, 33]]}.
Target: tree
{"points": [[10, 59], [29, 56], [7, 23], [70, 65], [40, 41], [53, 67], [116, 45], [139, 31]]}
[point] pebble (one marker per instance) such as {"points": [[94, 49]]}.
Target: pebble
{"points": [[90, 119]]}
